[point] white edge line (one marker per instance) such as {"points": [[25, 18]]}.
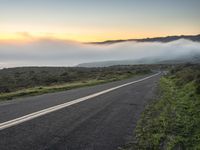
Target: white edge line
{"points": [[22, 119]]}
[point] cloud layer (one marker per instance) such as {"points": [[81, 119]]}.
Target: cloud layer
{"points": [[62, 53]]}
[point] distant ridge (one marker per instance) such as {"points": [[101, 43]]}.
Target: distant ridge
{"points": [[166, 39], [182, 60]]}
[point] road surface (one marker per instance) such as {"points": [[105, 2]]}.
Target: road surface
{"points": [[101, 117]]}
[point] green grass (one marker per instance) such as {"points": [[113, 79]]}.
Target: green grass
{"points": [[61, 87], [173, 120]]}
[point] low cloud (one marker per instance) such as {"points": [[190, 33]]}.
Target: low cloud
{"points": [[61, 53]]}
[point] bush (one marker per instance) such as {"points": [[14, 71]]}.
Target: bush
{"points": [[4, 89]]}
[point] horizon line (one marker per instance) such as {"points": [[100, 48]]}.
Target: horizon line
{"points": [[30, 38]]}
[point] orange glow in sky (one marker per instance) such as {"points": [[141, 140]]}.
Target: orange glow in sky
{"points": [[83, 37], [97, 20]]}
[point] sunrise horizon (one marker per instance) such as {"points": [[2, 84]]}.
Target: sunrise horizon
{"points": [[71, 32], [96, 21], [28, 37]]}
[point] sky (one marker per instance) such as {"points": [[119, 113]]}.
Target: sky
{"points": [[96, 20]]}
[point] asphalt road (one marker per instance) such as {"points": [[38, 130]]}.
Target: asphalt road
{"points": [[104, 122]]}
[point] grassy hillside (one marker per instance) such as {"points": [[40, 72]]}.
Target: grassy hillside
{"points": [[23, 81], [172, 121]]}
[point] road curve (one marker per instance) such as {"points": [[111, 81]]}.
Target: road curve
{"points": [[105, 120]]}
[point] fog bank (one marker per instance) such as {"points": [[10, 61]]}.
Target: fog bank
{"points": [[62, 53]]}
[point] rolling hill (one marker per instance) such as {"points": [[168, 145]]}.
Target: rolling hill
{"points": [[193, 58], [195, 38]]}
